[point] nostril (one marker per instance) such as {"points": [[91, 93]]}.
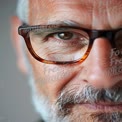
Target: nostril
{"points": [[85, 80]]}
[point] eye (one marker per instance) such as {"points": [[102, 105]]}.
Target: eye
{"points": [[65, 35]]}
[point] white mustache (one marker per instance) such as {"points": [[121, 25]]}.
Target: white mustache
{"points": [[88, 94]]}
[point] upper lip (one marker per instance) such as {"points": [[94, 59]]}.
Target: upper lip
{"points": [[106, 107], [108, 104]]}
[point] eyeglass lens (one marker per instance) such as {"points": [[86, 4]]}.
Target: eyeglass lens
{"points": [[63, 44]]}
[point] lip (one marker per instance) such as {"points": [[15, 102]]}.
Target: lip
{"points": [[104, 107]]}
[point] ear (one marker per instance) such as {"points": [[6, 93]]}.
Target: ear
{"points": [[17, 43]]}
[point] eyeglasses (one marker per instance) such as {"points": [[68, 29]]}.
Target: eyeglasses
{"points": [[58, 44]]}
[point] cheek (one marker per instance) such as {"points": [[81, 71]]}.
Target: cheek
{"points": [[51, 79]]}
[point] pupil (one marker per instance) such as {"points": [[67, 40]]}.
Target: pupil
{"points": [[65, 35]]}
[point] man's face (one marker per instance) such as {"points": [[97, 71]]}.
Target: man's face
{"points": [[89, 91]]}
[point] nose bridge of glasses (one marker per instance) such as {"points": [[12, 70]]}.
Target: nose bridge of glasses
{"points": [[109, 35]]}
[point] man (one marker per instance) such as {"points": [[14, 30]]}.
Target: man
{"points": [[73, 58]]}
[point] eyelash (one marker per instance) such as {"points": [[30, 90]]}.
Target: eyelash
{"points": [[53, 35]]}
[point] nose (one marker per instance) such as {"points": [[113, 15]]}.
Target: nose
{"points": [[100, 72]]}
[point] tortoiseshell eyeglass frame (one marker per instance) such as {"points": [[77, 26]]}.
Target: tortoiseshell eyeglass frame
{"points": [[24, 29]]}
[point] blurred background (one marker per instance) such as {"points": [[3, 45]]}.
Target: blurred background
{"points": [[15, 95]]}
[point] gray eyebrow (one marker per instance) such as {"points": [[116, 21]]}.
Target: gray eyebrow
{"points": [[65, 23], [69, 23]]}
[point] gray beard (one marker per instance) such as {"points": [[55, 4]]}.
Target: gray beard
{"points": [[43, 107], [56, 113]]}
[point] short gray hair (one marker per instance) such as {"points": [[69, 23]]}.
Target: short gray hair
{"points": [[22, 10]]}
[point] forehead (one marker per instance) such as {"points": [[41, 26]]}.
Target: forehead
{"points": [[93, 14], [83, 2]]}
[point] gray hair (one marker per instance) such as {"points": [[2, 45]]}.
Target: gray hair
{"points": [[22, 10]]}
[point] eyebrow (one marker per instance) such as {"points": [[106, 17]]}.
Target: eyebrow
{"points": [[73, 23], [66, 23]]}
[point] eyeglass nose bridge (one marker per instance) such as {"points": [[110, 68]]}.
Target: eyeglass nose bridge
{"points": [[109, 35]]}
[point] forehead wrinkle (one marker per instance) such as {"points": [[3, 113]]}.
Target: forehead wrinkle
{"points": [[99, 14], [50, 10], [36, 7], [114, 8], [41, 4], [55, 10]]}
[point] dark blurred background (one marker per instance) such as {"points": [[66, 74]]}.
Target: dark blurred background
{"points": [[15, 95]]}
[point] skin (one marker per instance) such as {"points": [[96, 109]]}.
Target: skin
{"points": [[100, 63], [95, 14]]}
